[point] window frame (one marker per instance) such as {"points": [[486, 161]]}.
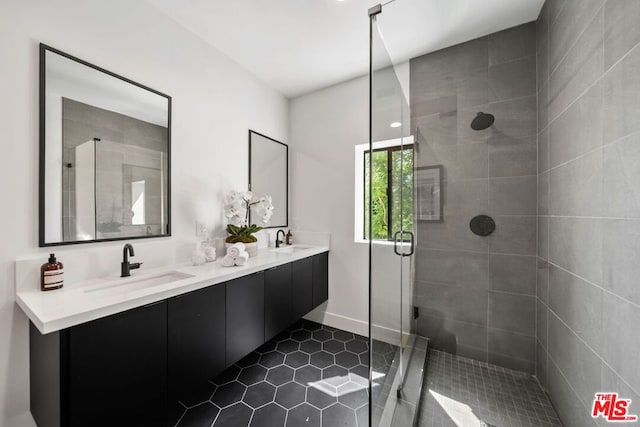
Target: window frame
{"points": [[389, 149]]}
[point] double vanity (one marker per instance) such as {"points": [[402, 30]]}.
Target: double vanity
{"points": [[133, 351]]}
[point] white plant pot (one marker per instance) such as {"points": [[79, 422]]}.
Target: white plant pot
{"points": [[251, 248]]}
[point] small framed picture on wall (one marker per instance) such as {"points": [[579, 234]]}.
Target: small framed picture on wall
{"points": [[429, 193]]}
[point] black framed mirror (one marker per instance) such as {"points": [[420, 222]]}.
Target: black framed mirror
{"points": [[105, 154], [269, 175]]}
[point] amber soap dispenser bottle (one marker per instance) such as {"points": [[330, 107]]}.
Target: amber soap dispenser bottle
{"points": [[51, 274]]}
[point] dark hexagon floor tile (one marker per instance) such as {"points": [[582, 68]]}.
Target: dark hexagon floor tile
{"points": [[290, 395], [288, 346], [353, 395], [201, 415], [320, 398], [364, 359], [339, 415], [307, 374], [248, 360], [356, 346], [259, 394], [347, 360], [227, 394], [359, 374], [267, 347], [304, 415], [252, 374], [335, 375], [237, 415], [272, 359], [301, 335], [296, 359], [362, 414], [333, 346], [280, 375], [343, 336], [311, 346], [322, 359], [228, 375], [329, 328], [271, 415], [322, 335], [311, 326]]}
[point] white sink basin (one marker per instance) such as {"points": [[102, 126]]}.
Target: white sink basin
{"points": [[291, 249], [141, 283]]}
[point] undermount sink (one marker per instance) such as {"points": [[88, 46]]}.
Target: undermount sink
{"points": [[141, 283], [291, 249]]}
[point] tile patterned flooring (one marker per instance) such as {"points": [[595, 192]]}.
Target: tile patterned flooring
{"points": [[309, 375], [464, 392], [313, 375]]}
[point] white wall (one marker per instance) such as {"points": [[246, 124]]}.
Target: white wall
{"points": [[214, 103], [324, 127]]}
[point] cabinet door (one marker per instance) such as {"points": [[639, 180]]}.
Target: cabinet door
{"points": [[245, 316], [320, 279], [278, 313], [302, 287], [196, 345], [118, 369]]}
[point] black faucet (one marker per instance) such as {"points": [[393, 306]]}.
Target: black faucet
{"points": [[278, 241], [126, 266]]}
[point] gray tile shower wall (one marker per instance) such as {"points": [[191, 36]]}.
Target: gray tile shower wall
{"points": [[588, 297], [478, 294]]}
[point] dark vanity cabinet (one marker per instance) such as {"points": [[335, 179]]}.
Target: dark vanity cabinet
{"points": [[245, 316], [196, 338], [107, 372], [278, 310], [320, 278], [132, 369], [302, 287]]}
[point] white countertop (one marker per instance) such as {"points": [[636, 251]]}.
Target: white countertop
{"points": [[72, 305]]}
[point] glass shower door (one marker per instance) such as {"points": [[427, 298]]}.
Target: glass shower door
{"points": [[389, 226]]}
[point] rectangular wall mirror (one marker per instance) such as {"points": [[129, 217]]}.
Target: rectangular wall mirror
{"points": [[105, 145], [269, 175]]}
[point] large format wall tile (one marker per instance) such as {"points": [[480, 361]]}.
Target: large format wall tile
{"points": [[513, 79], [621, 29], [458, 161], [514, 118], [453, 336], [570, 409], [453, 268], [578, 304], [466, 197], [512, 43], [512, 350], [514, 235], [621, 192], [512, 273], [513, 195], [451, 233], [459, 303], [576, 187], [621, 105], [575, 244], [513, 156], [567, 27], [578, 363], [512, 312], [542, 318], [579, 129], [620, 255], [582, 66], [622, 347]]}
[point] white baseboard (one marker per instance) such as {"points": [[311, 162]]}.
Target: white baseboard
{"points": [[357, 326]]}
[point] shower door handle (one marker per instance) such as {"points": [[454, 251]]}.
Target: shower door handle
{"points": [[411, 242]]}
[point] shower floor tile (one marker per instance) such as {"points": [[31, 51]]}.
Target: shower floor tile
{"points": [[309, 375], [464, 392]]}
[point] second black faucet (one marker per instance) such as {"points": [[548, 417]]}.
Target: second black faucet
{"points": [[126, 266]]}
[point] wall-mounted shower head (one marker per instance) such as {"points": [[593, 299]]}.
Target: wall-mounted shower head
{"points": [[482, 121]]}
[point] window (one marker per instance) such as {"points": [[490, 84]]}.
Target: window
{"points": [[392, 196]]}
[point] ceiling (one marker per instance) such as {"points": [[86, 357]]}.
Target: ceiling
{"points": [[297, 46]]}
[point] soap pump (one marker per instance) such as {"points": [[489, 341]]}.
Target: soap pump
{"points": [[51, 274]]}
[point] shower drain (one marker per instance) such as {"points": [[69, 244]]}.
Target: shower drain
{"points": [[483, 424]]}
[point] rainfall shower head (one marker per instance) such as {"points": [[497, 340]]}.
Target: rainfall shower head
{"points": [[482, 121]]}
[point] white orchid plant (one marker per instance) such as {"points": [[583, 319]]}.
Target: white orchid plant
{"points": [[237, 206]]}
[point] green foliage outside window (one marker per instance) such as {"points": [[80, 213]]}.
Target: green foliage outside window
{"points": [[392, 194]]}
